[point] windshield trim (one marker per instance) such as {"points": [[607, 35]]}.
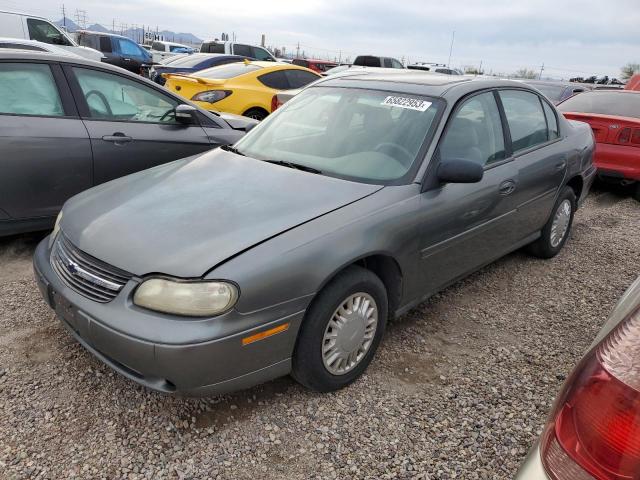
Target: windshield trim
{"points": [[410, 175]]}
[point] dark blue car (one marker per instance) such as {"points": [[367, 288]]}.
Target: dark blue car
{"points": [[192, 63]]}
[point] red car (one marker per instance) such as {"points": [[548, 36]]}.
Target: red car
{"points": [[633, 83], [614, 116], [319, 66]]}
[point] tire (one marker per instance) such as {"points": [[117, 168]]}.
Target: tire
{"points": [[256, 113], [313, 369], [548, 246]]}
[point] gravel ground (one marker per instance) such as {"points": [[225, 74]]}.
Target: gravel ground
{"points": [[459, 388]]}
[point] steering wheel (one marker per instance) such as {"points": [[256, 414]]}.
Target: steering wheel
{"points": [[102, 98], [406, 154]]}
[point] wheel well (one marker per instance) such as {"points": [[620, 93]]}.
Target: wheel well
{"points": [[576, 183], [255, 108], [388, 270]]}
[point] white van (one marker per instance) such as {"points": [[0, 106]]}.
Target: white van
{"points": [[31, 27]]}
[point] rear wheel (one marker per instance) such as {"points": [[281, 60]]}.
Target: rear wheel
{"points": [[341, 331], [556, 231], [256, 113]]}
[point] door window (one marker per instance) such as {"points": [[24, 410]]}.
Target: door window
{"points": [[525, 118], [276, 80], [112, 97], [29, 89], [396, 64], [475, 132], [105, 44], [388, 63], [261, 54], [43, 31], [300, 78], [243, 50], [128, 48], [552, 121]]}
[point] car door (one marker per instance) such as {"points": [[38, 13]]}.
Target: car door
{"points": [[45, 151], [131, 55], [539, 153], [131, 124], [467, 225]]}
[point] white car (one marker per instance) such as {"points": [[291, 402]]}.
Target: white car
{"points": [[31, 27], [242, 49], [593, 432], [161, 50], [34, 46]]}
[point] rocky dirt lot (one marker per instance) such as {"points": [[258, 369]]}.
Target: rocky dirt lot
{"points": [[459, 389]]}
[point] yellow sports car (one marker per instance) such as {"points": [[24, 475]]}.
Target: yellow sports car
{"points": [[244, 88]]}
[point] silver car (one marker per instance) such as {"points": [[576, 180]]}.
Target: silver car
{"points": [[593, 431], [288, 252]]}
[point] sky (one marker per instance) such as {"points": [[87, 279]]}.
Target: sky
{"points": [[569, 37]]}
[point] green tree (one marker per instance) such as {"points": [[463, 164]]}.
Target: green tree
{"points": [[629, 70]]}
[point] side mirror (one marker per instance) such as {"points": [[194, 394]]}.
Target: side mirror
{"points": [[186, 114], [459, 171]]}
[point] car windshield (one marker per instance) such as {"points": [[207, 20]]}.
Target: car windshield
{"points": [[363, 135], [228, 71], [552, 92], [619, 104]]}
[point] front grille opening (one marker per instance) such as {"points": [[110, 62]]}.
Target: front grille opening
{"points": [[85, 274]]}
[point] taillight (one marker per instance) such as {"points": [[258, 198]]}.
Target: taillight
{"points": [[628, 136], [211, 96], [594, 431], [275, 103], [624, 136]]}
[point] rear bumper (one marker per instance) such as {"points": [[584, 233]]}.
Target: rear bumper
{"points": [[211, 366], [532, 468], [618, 162]]}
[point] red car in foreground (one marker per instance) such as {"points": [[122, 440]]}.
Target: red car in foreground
{"points": [[614, 116]]}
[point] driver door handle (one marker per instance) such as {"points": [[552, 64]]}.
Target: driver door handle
{"points": [[507, 187], [117, 138]]}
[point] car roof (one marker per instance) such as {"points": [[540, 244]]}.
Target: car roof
{"points": [[11, 54], [106, 34], [417, 82], [23, 14]]}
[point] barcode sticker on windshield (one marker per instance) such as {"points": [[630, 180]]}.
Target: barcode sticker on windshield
{"points": [[404, 102]]}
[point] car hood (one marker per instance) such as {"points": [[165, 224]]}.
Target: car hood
{"points": [[186, 217]]}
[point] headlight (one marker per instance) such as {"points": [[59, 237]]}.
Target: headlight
{"points": [[191, 299], [211, 96], [56, 229]]}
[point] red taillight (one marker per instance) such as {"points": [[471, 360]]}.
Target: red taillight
{"points": [[624, 136], [594, 431], [275, 103]]}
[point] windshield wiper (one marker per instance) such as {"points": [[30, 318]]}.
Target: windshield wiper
{"points": [[296, 166], [232, 149]]}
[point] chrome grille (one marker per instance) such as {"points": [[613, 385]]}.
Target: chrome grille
{"points": [[84, 274]]}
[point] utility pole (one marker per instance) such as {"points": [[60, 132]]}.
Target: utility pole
{"points": [[81, 18], [453, 36], [541, 70], [480, 69], [64, 18], [298, 50]]}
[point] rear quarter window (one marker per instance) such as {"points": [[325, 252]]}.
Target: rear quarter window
{"points": [[277, 80]]}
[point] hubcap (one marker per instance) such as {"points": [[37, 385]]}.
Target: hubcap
{"points": [[349, 333], [560, 223]]}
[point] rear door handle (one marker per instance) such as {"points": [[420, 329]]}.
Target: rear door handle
{"points": [[118, 138], [560, 165], [507, 187]]}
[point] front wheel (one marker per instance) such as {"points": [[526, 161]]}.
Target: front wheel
{"points": [[341, 331], [556, 231]]}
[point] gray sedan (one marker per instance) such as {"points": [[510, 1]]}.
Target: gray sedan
{"points": [[593, 432], [288, 252], [67, 124]]}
